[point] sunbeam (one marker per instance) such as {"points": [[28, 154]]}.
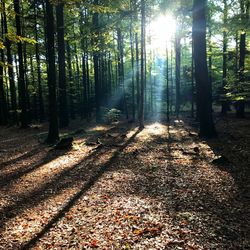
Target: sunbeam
{"points": [[161, 31]]}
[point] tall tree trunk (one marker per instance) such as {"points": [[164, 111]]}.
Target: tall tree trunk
{"points": [[167, 79], [143, 47], [62, 93], [70, 81], [122, 95], [96, 60], [133, 69], [204, 88], [13, 97], [21, 79], [172, 81], [224, 104], [177, 72], [84, 85], [53, 134], [34, 109], [137, 75], [240, 105], [26, 80], [38, 69], [192, 82], [3, 102]]}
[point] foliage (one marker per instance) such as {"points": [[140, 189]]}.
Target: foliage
{"points": [[111, 115]]}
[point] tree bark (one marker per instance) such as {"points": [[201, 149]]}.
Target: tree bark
{"points": [[38, 69], [204, 88], [21, 79], [53, 134], [143, 47], [177, 72], [62, 93], [96, 61], [13, 98], [224, 104], [3, 102]]}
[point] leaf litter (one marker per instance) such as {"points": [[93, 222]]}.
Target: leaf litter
{"points": [[159, 189]]}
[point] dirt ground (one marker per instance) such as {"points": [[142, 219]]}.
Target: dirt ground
{"points": [[123, 188]]}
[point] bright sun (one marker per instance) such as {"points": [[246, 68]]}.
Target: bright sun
{"points": [[161, 30]]}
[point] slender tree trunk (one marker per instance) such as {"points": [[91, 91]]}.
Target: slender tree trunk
{"points": [[122, 94], [192, 82], [143, 47], [204, 88], [62, 93], [167, 79], [84, 85], [236, 53], [53, 134], [240, 105], [96, 68], [3, 102], [13, 97], [133, 70], [38, 69], [172, 81], [21, 80], [34, 109], [26, 80], [70, 81], [137, 72], [177, 72], [224, 104]]}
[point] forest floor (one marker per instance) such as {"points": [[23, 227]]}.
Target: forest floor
{"points": [[122, 188]]}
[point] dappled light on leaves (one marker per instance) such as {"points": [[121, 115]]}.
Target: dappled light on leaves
{"points": [[154, 188]]}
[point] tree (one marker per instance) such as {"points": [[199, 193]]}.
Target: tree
{"points": [[244, 13], [21, 78], [96, 61], [177, 71], [53, 134], [143, 52], [204, 88], [62, 97], [224, 107], [13, 98]]}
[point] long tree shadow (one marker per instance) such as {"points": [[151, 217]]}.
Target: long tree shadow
{"points": [[24, 156], [189, 191], [86, 186], [8, 179], [192, 187], [57, 184]]}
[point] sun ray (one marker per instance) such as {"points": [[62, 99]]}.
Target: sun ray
{"points": [[161, 31]]}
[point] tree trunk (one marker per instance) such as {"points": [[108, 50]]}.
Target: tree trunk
{"points": [[96, 68], [21, 79], [38, 69], [3, 102], [133, 69], [168, 94], [204, 88], [143, 47], [53, 134], [224, 104], [13, 97], [177, 72], [240, 105], [70, 81], [62, 93], [34, 109], [192, 83]]}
